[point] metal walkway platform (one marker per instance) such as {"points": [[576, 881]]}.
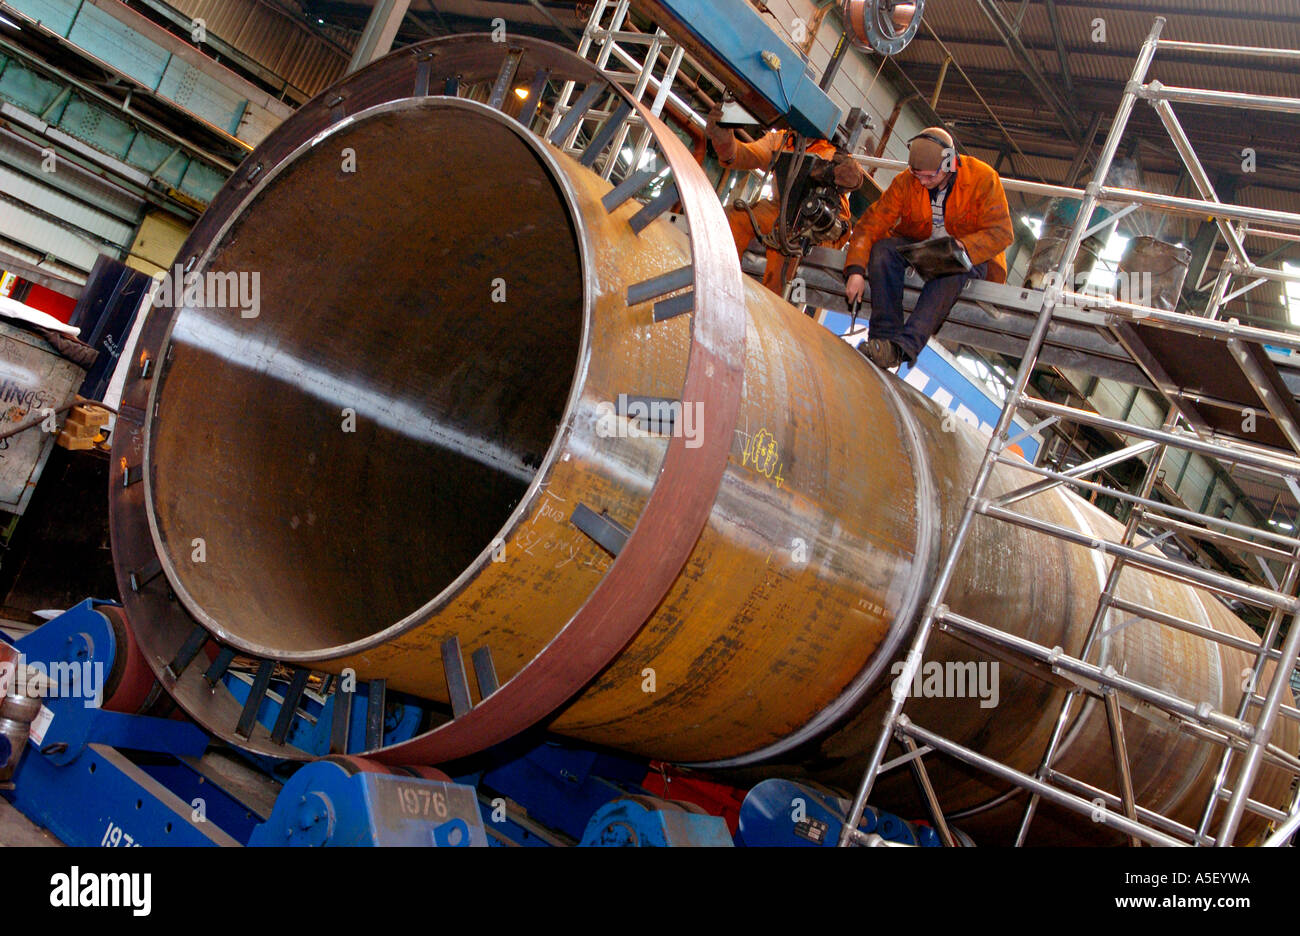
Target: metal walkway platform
{"points": [[1000, 318]]}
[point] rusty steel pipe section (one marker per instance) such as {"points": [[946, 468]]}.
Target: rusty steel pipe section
{"points": [[465, 419]]}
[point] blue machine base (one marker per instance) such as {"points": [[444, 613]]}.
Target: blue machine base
{"points": [[103, 778]]}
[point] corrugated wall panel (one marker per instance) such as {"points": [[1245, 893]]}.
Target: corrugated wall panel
{"points": [[271, 39], [24, 188], [24, 227], [67, 177]]}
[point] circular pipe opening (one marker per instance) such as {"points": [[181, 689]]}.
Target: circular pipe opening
{"points": [[366, 379]]}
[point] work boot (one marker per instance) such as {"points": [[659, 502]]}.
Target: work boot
{"points": [[883, 353]]}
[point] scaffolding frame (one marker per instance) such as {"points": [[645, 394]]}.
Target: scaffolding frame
{"points": [[652, 61], [609, 42], [1245, 735]]}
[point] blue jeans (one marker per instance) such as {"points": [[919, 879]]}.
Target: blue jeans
{"points": [[885, 272]]}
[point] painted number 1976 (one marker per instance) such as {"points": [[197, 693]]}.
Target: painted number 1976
{"points": [[423, 802], [115, 836]]}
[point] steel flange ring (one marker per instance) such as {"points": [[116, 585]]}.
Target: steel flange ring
{"points": [[173, 628], [871, 26]]}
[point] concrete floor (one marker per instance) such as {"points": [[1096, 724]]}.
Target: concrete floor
{"points": [[16, 830]]}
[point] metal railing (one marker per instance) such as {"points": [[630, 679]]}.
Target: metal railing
{"points": [[643, 62]]}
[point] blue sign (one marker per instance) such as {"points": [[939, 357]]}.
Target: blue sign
{"points": [[939, 377]]}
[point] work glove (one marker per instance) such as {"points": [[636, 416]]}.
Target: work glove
{"points": [[842, 170]]}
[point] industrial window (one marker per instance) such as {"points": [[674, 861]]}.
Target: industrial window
{"points": [[1291, 299]]}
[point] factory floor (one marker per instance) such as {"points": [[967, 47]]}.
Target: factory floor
{"points": [[17, 831]]}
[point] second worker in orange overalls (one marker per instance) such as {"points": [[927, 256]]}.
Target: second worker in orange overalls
{"points": [[820, 209]]}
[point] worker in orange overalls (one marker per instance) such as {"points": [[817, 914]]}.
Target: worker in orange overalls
{"points": [[814, 176], [940, 196]]}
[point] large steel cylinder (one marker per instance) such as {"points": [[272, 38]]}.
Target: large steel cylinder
{"points": [[427, 442]]}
